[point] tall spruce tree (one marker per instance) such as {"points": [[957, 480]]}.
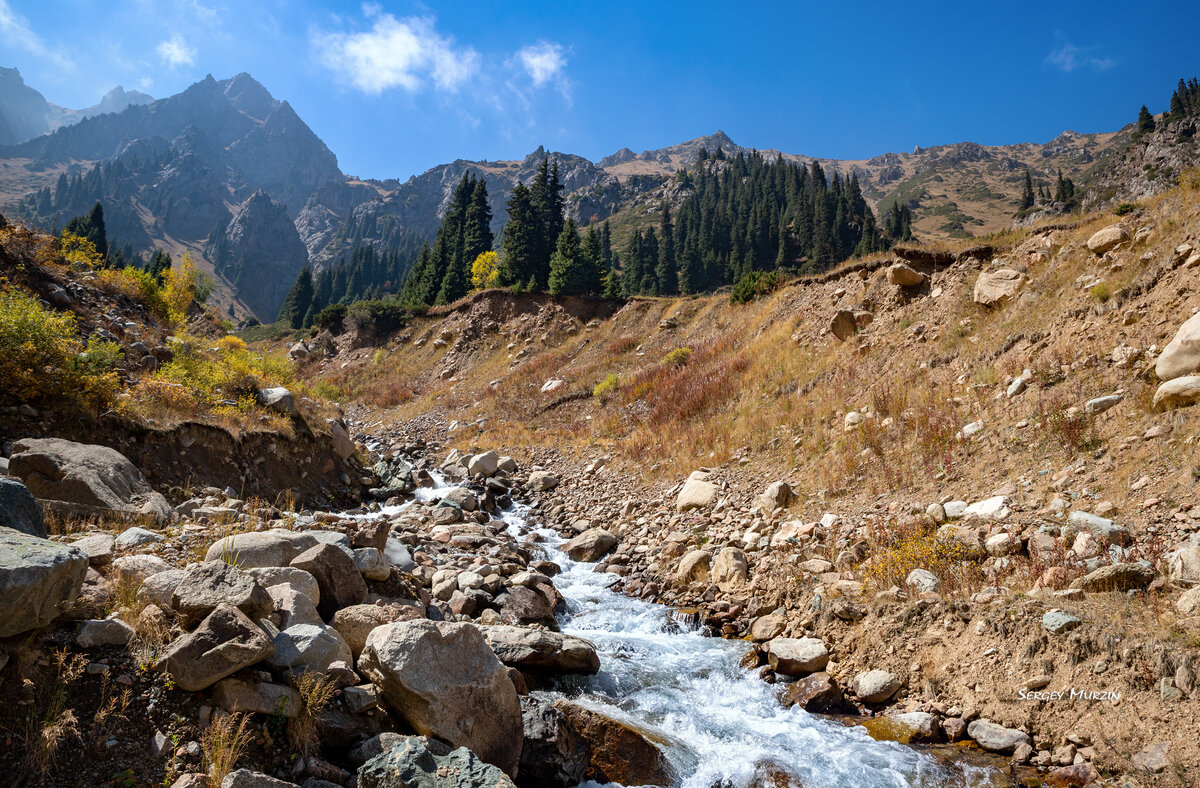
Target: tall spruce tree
{"points": [[298, 300], [1145, 122], [591, 252], [666, 266], [521, 239], [570, 274], [92, 228], [1027, 197]]}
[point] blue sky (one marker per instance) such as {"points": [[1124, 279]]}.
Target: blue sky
{"points": [[397, 87]]}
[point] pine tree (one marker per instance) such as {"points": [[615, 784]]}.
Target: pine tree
{"points": [[160, 263], [591, 256], [666, 270], [92, 228], [547, 204], [298, 300], [569, 274], [520, 239], [1145, 121], [1027, 198]]}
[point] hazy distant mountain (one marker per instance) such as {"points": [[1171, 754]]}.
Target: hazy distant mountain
{"points": [[25, 113]]}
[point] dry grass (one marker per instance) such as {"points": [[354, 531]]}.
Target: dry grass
{"points": [[223, 743], [56, 723], [315, 693]]}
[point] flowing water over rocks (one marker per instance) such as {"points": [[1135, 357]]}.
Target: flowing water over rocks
{"points": [[717, 722]]}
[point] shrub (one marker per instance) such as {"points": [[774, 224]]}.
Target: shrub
{"points": [[383, 317], [41, 357], [138, 285], [1101, 291], [331, 318], [607, 387], [180, 289], [79, 253], [900, 549], [678, 357], [1125, 208], [484, 271], [754, 285]]}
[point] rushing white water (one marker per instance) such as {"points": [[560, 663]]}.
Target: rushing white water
{"points": [[720, 722]]}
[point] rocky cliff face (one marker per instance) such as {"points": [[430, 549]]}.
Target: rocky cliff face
{"points": [[25, 113], [1150, 165], [260, 253]]}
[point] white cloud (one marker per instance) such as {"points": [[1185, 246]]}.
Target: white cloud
{"points": [[407, 53], [1068, 57], [15, 31], [176, 52], [543, 62]]}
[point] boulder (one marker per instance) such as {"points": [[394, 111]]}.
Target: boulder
{"points": [[529, 607], [1188, 604], [542, 481], [103, 632], [694, 567], [1183, 566], [445, 681], [996, 738], [39, 580], [343, 446], [159, 588], [135, 537], [1116, 577], [697, 493], [994, 508], [19, 510], [299, 580], [99, 547], [340, 582], [211, 583], [730, 570], [256, 697], [1102, 528], [995, 288], [817, 693], [1178, 393], [875, 686], [244, 778], [1106, 239], [1056, 622], [292, 607], [904, 276], [591, 545], [539, 651], [260, 549], [1002, 544], [843, 325], [797, 656], [485, 464], [77, 473], [354, 623], [1181, 356], [922, 581], [310, 646], [617, 752], [279, 400], [554, 754], [372, 564], [418, 762], [778, 495], [223, 644], [767, 627]]}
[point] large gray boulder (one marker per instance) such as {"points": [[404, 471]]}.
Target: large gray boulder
{"points": [[310, 646], [996, 738], [95, 476], [19, 510], [697, 493], [39, 580], [995, 288], [223, 644], [445, 681], [797, 656], [875, 686], [1181, 356], [539, 651], [417, 762], [261, 549], [1115, 577], [211, 583], [244, 778], [591, 545], [339, 579], [554, 754]]}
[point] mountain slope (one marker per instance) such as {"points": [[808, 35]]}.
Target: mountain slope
{"points": [[25, 113]]}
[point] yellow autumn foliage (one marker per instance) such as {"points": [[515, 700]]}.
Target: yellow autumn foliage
{"points": [[485, 271]]}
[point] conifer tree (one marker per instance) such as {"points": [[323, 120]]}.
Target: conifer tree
{"points": [[298, 300], [569, 273], [520, 239], [1027, 198], [666, 271], [92, 228], [592, 260], [160, 263], [1145, 121]]}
